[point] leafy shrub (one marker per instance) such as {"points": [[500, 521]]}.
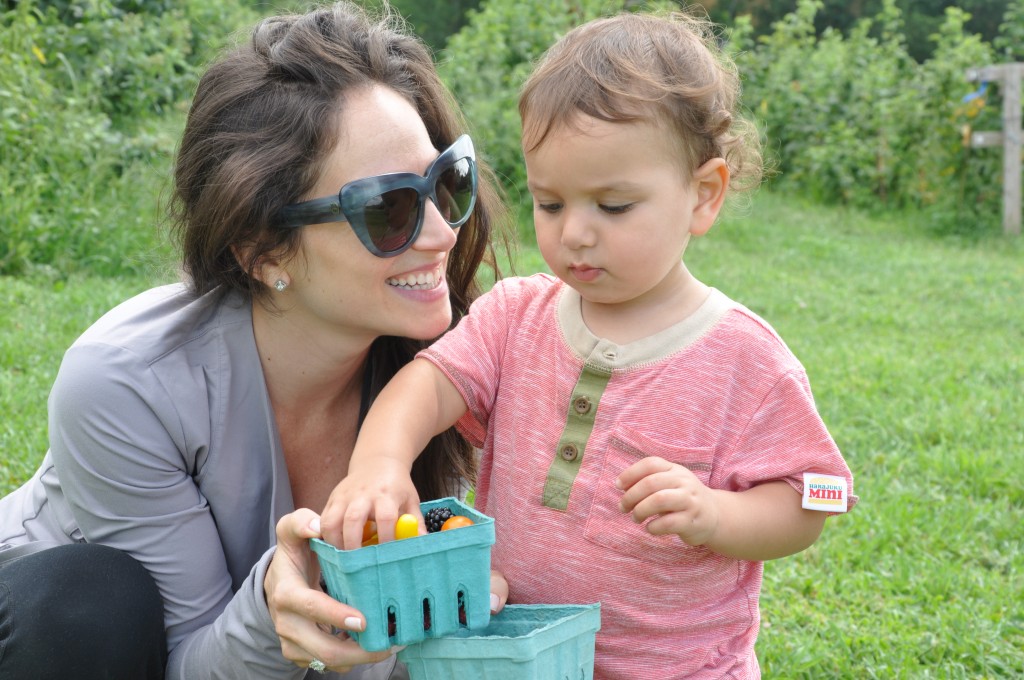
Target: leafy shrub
{"points": [[848, 118], [53, 151], [854, 119], [84, 90], [1010, 41], [486, 63], [127, 64], [961, 185]]}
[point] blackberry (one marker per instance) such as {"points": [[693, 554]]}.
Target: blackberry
{"points": [[435, 517]]}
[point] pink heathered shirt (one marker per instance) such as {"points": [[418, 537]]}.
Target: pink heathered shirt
{"points": [[718, 392]]}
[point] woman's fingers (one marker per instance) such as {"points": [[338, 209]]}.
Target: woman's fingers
{"points": [[293, 533], [303, 615], [338, 653], [499, 591], [307, 607]]}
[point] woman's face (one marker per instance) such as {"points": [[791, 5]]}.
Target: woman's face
{"points": [[335, 281]]}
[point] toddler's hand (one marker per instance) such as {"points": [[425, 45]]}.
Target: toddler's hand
{"points": [[380, 489], [679, 503]]}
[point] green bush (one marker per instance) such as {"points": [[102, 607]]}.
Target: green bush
{"points": [[486, 63], [54, 152], [90, 99], [854, 119], [1010, 41], [136, 58], [847, 118]]}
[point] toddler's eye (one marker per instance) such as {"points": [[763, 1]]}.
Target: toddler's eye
{"points": [[549, 207], [617, 209]]}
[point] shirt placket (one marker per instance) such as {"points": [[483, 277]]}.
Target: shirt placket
{"points": [[579, 423]]}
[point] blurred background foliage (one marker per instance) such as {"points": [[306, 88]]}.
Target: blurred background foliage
{"points": [[862, 102]]}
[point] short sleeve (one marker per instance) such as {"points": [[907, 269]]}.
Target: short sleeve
{"points": [[470, 355], [784, 439]]}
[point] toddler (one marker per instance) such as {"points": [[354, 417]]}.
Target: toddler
{"points": [[646, 441]]}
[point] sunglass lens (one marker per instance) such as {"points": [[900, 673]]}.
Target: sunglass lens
{"points": [[391, 218], [455, 192]]}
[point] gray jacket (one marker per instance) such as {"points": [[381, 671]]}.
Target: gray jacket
{"points": [[163, 444]]}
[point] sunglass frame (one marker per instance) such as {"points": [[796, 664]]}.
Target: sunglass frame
{"points": [[349, 203]]}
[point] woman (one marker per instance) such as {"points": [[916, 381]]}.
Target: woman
{"points": [[189, 423]]}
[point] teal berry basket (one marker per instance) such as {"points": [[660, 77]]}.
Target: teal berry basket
{"points": [[415, 588], [536, 641]]}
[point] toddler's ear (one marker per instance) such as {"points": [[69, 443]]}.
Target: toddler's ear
{"points": [[712, 182]]}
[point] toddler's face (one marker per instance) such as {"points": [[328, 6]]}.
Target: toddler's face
{"points": [[613, 210]]}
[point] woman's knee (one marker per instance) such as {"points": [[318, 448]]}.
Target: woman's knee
{"points": [[86, 608]]}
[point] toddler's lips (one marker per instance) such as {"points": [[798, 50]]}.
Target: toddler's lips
{"points": [[584, 273]]}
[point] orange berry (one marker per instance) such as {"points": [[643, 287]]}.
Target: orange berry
{"points": [[369, 530], [456, 521]]}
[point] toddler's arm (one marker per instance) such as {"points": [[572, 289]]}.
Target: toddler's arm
{"points": [[418, 403], [761, 523]]}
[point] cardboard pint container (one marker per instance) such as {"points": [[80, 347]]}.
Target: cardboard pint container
{"points": [[540, 642], [416, 588]]}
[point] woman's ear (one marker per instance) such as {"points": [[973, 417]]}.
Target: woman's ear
{"points": [[266, 269], [711, 182]]}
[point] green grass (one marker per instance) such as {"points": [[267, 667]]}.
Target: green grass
{"points": [[914, 347]]}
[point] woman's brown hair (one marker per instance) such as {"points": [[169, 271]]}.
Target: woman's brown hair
{"points": [[262, 121]]}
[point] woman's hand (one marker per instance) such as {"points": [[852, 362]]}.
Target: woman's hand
{"points": [[379, 489], [499, 592], [303, 614]]}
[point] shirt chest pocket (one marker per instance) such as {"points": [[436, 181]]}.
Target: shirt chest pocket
{"points": [[608, 526]]}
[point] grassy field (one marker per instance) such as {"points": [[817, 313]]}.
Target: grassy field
{"points": [[914, 346]]}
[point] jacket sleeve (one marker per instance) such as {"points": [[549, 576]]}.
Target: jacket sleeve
{"points": [[239, 644], [120, 447]]}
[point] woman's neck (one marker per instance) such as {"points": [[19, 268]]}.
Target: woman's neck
{"points": [[315, 383], [303, 368]]}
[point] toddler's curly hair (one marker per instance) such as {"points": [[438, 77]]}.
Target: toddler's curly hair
{"points": [[665, 68]]}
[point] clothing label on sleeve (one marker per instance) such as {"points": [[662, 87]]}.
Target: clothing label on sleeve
{"points": [[824, 492]]}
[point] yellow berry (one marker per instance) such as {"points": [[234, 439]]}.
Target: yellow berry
{"points": [[406, 527]]}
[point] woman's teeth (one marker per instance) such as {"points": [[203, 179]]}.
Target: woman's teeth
{"points": [[420, 281]]}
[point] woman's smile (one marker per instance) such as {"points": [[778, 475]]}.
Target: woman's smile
{"points": [[419, 280]]}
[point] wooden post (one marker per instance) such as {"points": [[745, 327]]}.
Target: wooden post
{"points": [[1011, 149], [1008, 76]]}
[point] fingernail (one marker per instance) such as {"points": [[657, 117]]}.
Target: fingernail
{"points": [[495, 601], [314, 525], [354, 623], [618, 485]]}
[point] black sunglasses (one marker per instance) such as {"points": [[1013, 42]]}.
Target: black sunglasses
{"points": [[386, 211]]}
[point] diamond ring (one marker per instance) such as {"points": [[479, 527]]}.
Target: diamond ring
{"points": [[317, 665]]}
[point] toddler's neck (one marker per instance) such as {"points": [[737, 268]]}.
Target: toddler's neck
{"points": [[639, 319]]}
